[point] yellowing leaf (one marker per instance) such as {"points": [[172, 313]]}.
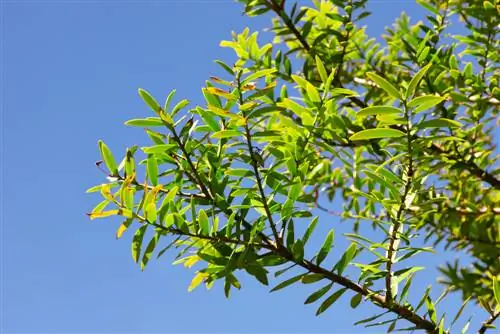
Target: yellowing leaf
{"points": [[221, 92], [103, 214], [123, 227], [198, 278]]}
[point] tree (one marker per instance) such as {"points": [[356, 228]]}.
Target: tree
{"points": [[399, 132]]}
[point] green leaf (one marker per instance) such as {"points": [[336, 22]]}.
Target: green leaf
{"points": [[318, 294], [239, 172], [258, 74], [137, 242], [346, 258], [327, 246], [226, 134], [179, 106], [439, 123], [385, 85], [313, 93], [356, 300], [312, 278], [295, 190], [152, 166], [459, 313], [151, 212], [496, 290], [321, 69], [342, 91], [169, 197], [370, 318], [298, 250], [412, 86], [150, 101], [310, 230], [376, 133], [227, 68], [286, 283], [425, 102], [108, 158], [431, 309], [329, 301], [378, 110], [149, 250], [145, 122], [299, 110], [168, 100], [204, 223]]}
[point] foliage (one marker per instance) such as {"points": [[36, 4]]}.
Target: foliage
{"points": [[399, 131]]}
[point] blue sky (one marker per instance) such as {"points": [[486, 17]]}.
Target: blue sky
{"points": [[71, 70]]}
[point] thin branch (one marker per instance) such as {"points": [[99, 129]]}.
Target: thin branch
{"points": [[391, 251], [471, 166], [255, 166], [488, 323]]}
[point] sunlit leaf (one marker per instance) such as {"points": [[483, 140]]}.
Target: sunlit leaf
{"points": [[385, 85], [376, 133]]}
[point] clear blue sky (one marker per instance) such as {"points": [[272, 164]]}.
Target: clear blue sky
{"points": [[71, 70]]}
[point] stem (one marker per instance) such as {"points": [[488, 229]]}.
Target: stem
{"points": [[486, 325], [392, 249], [255, 166], [470, 166]]}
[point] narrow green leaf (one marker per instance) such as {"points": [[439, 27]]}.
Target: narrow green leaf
{"points": [[370, 318], [318, 294], [327, 246], [431, 309], [179, 106], [376, 133], [342, 91], [425, 102], [169, 197], [151, 212], [378, 110], [168, 100], [150, 101], [346, 259], [149, 250], [329, 301], [321, 69], [312, 278], [313, 93], [412, 86], [152, 167], [204, 223], [286, 283], [145, 122], [459, 313], [225, 67], [239, 172], [310, 230], [137, 242], [108, 158], [226, 134], [385, 85], [258, 74], [298, 250], [438, 123], [496, 290]]}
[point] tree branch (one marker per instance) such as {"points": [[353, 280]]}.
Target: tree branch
{"points": [[486, 325]]}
